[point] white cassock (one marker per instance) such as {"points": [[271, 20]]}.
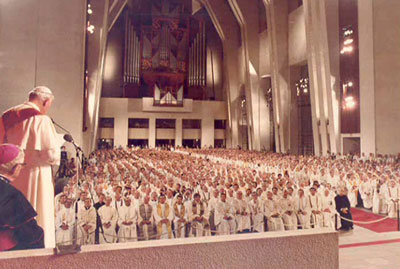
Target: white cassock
{"points": [[257, 215], [37, 136], [392, 194], [243, 213], [199, 228], [328, 204], [65, 216], [290, 221], [225, 226], [378, 200], [86, 217], [180, 212], [271, 207], [146, 213], [303, 212], [127, 232], [352, 195], [108, 214], [366, 191], [212, 204], [316, 205], [163, 211]]}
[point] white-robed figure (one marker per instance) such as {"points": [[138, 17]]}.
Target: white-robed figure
{"points": [[288, 209], [28, 127], [366, 192], [303, 210], [379, 205], [87, 224], [146, 219], [108, 216], [163, 216], [127, 220], [328, 209], [198, 217], [180, 217], [65, 221], [257, 213], [224, 217], [317, 217], [243, 213], [272, 212], [392, 198]]}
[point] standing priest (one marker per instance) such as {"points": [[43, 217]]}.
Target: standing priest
{"points": [[28, 127]]}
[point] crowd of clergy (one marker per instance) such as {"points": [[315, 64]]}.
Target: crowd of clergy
{"points": [[132, 194]]}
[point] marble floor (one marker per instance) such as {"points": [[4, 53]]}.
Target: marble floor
{"points": [[365, 249]]}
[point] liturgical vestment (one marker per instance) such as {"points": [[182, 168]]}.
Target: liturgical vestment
{"points": [[27, 128]]}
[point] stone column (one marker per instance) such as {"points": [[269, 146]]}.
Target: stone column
{"points": [[121, 131], [178, 132], [152, 133]]}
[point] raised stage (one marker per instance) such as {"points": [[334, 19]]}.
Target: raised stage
{"points": [[316, 248]]}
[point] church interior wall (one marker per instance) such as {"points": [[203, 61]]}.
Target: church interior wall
{"points": [[297, 37], [121, 109], [38, 49], [387, 79]]}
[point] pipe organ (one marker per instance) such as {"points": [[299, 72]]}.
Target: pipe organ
{"points": [[197, 59], [132, 53], [164, 51]]}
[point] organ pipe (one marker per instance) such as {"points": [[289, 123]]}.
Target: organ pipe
{"points": [[132, 54], [126, 50], [190, 65], [195, 62], [204, 47]]}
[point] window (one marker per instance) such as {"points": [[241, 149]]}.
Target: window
{"points": [[219, 143], [191, 124], [165, 123], [138, 123], [106, 123], [220, 124]]}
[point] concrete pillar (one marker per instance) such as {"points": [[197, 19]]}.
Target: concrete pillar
{"points": [[227, 29], [121, 131], [178, 132], [97, 43], [367, 76], [277, 15], [323, 72], [152, 133], [207, 132], [386, 14]]}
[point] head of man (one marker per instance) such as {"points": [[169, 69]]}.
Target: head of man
{"points": [[179, 199], [223, 196], [301, 192], [11, 161], [197, 197], [68, 203], [88, 203], [255, 196], [108, 200], [313, 191], [42, 97], [127, 201], [162, 199]]}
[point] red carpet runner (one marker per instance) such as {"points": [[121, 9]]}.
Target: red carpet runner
{"points": [[387, 225]]}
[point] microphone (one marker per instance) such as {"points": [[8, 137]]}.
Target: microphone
{"points": [[68, 138]]}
